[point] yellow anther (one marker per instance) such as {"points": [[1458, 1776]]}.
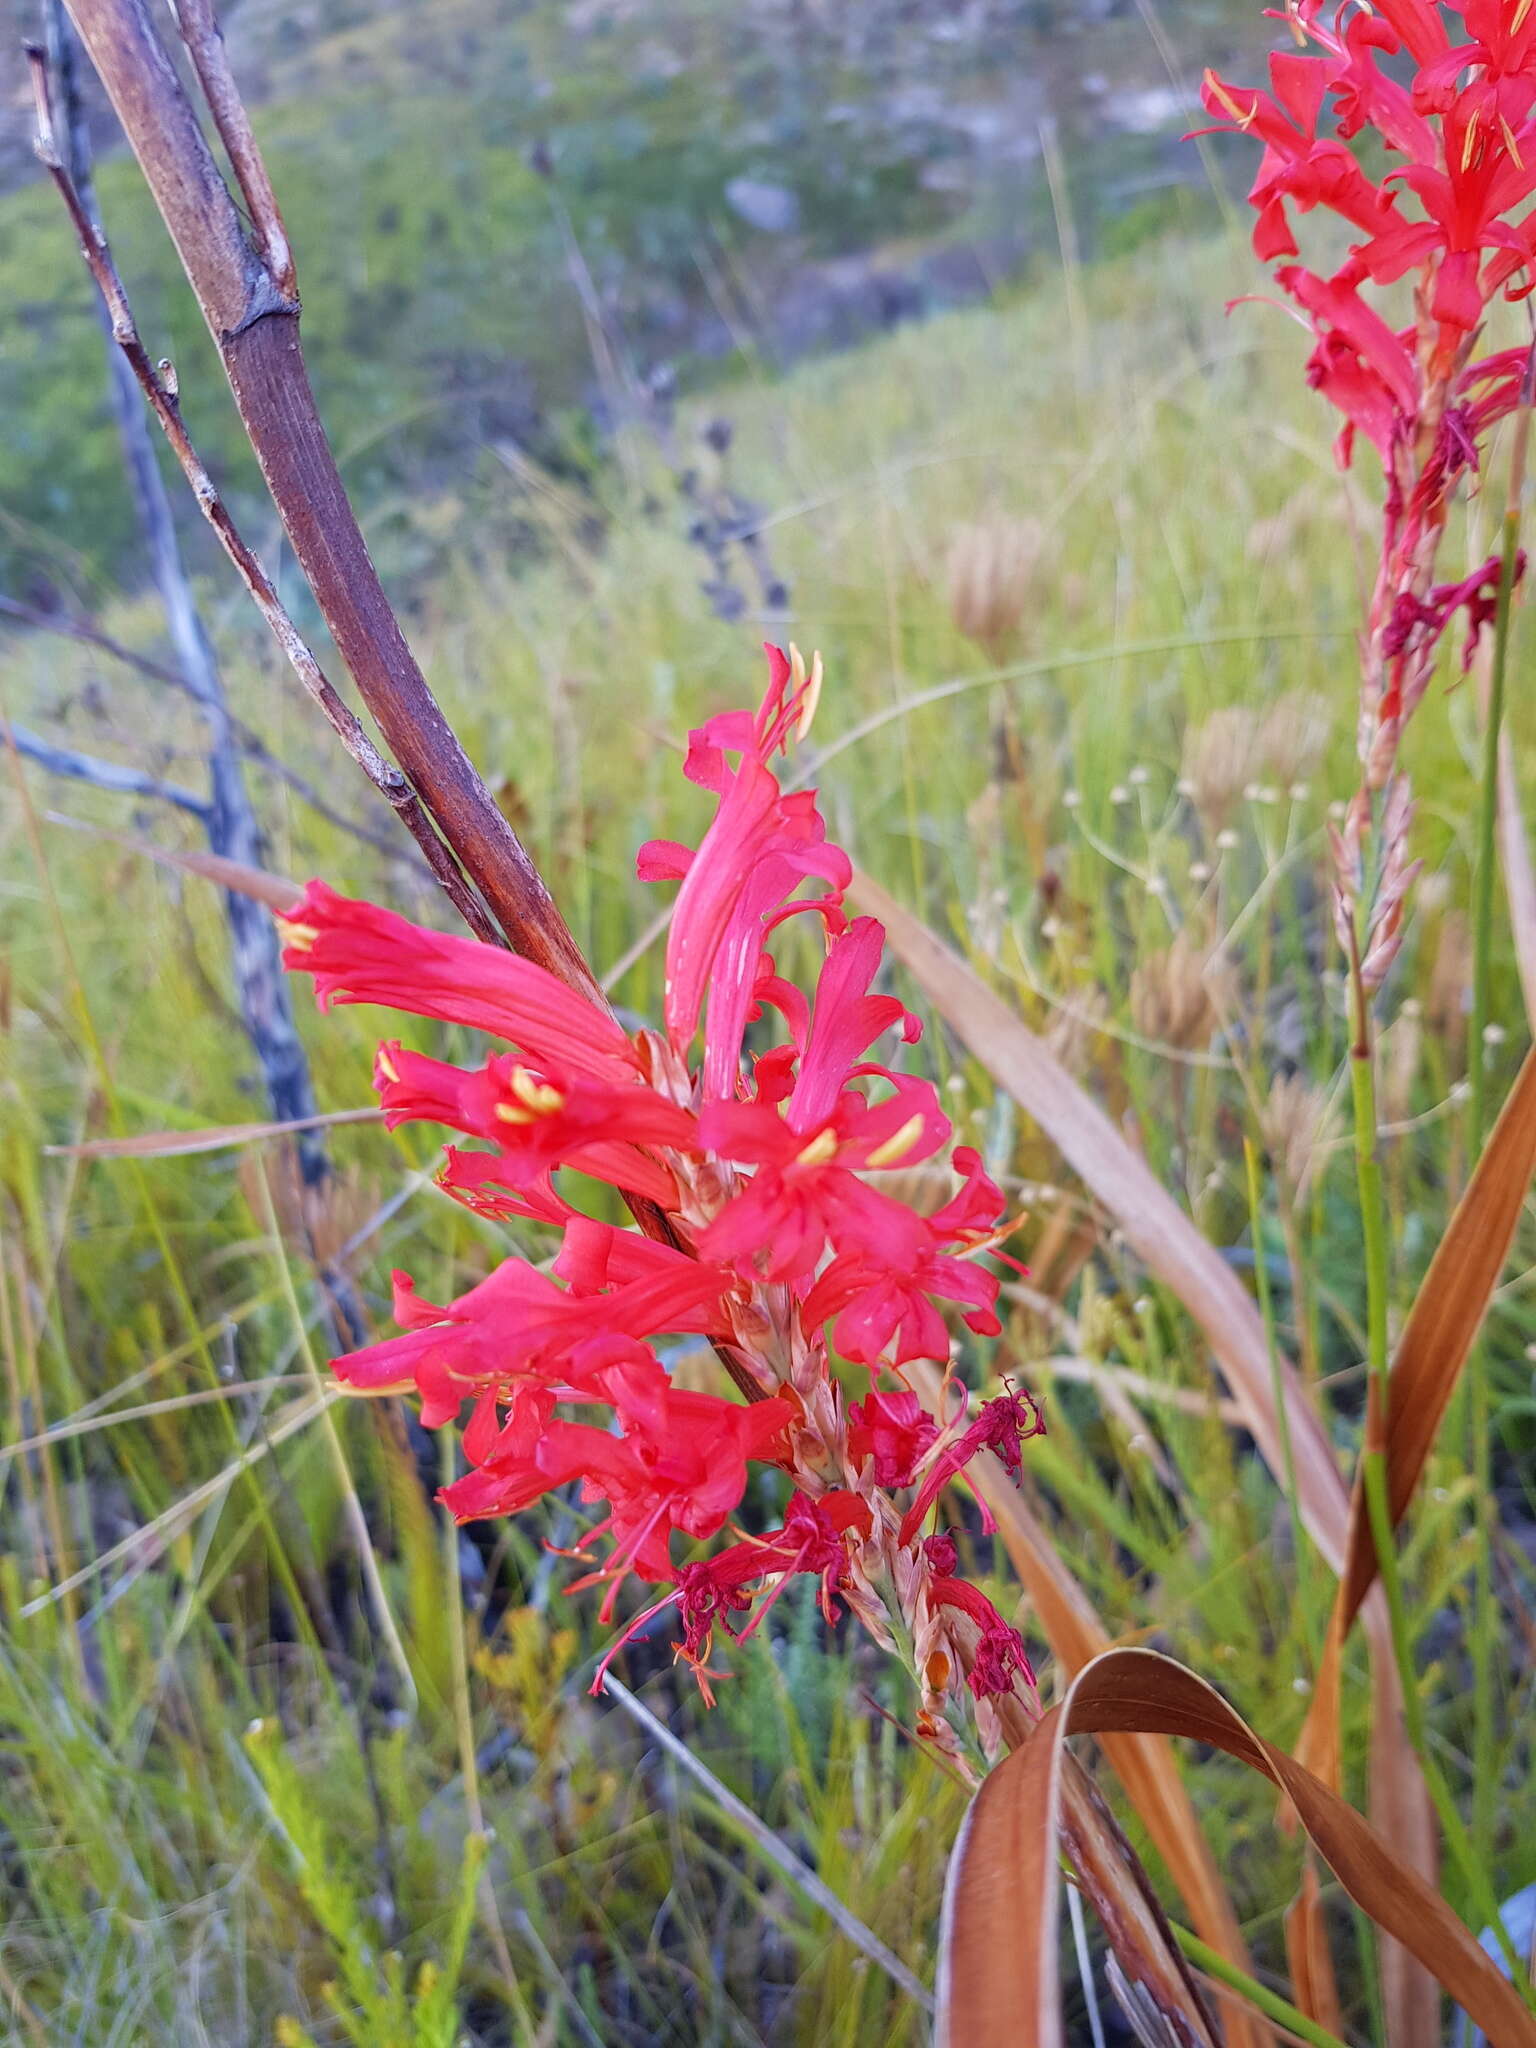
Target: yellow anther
{"points": [[300, 936], [1469, 140], [798, 678], [1509, 133], [1224, 99], [386, 1066], [821, 1148], [535, 1098], [899, 1144], [535, 1094]]}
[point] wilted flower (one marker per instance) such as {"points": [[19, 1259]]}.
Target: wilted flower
{"points": [[767, 1238]]}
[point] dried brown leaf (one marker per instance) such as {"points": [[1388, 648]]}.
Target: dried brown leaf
{"points": [[1447, 1313], [1306, 1952], [998, 1983], [1144, 1764]]}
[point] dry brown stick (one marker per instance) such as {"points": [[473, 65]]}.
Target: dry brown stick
{"points": [[252, 314], [204, 39], [159, 388]]}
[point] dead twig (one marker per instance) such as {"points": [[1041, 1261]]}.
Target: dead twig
{"points": [[249, 741], [158, 385], [109, 775], [248, 300]]}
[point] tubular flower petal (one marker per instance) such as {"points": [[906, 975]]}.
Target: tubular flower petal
{"points": [[359, 953]]}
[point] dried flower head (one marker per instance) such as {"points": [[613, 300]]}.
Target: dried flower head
{"points": [[1294, 1124], [1179, 995], [993, 571], [1220, 758]]}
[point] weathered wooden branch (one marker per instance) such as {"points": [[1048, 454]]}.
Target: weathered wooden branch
{"points": [[249, 741], [109, 775], [248, 300], [263, 998], [158, 386]]}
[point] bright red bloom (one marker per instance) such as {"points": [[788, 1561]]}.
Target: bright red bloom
{"points": [[681, 1464], [809, 1146], [893, 1432], [359, 953], [883, 1301], [814, 1539], [542, 1117], [753, 1187], [520, 1323], [760, 847]]}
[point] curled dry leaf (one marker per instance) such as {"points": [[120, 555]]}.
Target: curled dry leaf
{"points": [[998, 1980], [1144, 1764], [1447, 1313]]}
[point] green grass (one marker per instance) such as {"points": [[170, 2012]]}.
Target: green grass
{"points": [[173, 1875]]}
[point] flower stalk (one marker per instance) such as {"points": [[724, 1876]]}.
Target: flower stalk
{"points": [[1478, 1405], [779, 1247]]}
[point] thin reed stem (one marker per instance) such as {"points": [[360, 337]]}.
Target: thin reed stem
{"points": [[1258, 1995], [1303, 1547], [1479, 1420], [1373, 1465]]}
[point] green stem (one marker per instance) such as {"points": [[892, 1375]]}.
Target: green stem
{"points": [[1268, 2002], [1480, 1448], [1374, 1476], [1304, 1576]]}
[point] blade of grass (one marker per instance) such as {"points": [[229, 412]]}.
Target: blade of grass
{"points": [[768, 1845]]}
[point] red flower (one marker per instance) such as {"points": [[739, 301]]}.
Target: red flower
{"points": [[760, 847], [359, 953], [1001, 1425], [518, 1323], [809, 1146], [566, 1389], [681, 1463], [883, 1301], [541, 1117], [891, 1431]]}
